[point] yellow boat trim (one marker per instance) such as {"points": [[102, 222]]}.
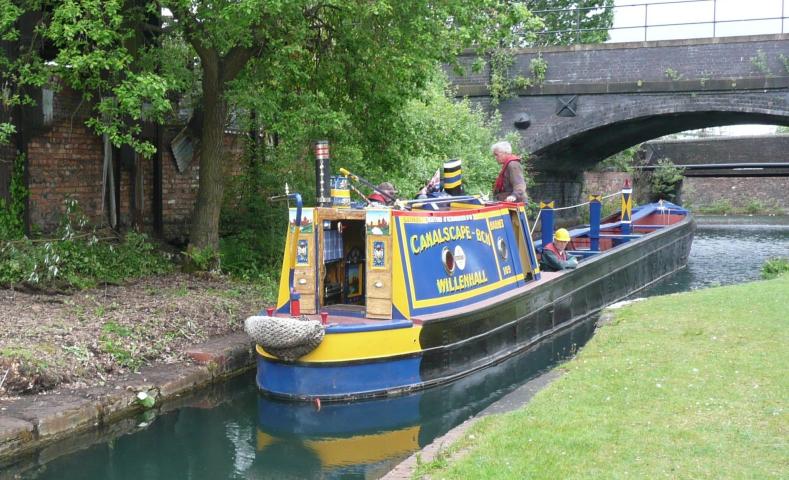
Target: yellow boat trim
{"points": [[342, 347], [493, 247], [399, 293], [359, 449], [283, 295]]}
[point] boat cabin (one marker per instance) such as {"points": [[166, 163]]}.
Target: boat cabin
{"points": [[423, 256]]}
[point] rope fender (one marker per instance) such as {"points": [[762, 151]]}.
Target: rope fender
{"points": [[286, 338]]}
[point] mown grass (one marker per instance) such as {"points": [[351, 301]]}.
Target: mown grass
{"points": [[692, 385]]}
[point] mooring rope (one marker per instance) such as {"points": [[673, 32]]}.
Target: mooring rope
{"points": [[534, 225], [580, 204], [537, 218]]}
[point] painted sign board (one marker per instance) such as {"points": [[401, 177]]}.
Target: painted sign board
{"points": [[452, 259]]}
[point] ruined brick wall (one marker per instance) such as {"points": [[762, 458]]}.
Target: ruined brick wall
{"points": [[66, 161], [179, 189]]}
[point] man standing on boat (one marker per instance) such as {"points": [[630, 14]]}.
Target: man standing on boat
{"points": [[554, 256], [509, 186]]}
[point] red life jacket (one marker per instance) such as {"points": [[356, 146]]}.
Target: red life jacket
{"points": [[499, 185], [562, 256]]}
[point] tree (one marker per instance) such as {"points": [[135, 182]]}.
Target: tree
{"points": [[569, 22], [356, 61]]}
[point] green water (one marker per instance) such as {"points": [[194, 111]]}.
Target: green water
{"points": [[728, 250], [231, 431]]}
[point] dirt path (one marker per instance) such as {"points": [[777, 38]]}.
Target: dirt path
{"points": [[86, 338]]}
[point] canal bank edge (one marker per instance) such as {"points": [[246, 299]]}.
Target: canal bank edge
{"points": [[441, 446], [31, 423], [519, 397]]}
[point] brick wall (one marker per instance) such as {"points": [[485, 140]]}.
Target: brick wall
{"points": [[66, 161], [772, 192], [604, 183], [703, 59]]}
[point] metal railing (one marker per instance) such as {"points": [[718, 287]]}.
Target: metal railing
{"points": [[712, 19]]}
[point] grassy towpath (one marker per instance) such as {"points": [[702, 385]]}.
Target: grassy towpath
{"points": [[693, 385]]}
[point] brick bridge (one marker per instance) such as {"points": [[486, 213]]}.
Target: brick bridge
{"points": [[597, 100]]}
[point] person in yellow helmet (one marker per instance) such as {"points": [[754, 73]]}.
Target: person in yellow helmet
{"points": [[554, 256]]}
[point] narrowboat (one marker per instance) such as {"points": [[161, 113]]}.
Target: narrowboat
{"points": [[381, 300]]}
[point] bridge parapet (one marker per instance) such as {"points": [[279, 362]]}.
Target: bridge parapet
{"points": [[728, 63]]}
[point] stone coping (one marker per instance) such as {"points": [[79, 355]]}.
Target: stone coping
{"points": [[31, 423]]}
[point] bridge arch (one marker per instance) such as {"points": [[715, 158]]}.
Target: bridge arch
{"points": [[580, 142]]}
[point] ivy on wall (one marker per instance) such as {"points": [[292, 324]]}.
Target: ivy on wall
{"points": [[502, 84], [12, 224]]}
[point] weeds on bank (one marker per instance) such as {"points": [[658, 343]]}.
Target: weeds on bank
{"points": [[719, 207], [724, 207], [775, 267], [79, 257]]}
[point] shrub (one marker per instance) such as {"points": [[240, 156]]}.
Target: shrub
{"points": [[78, 259], [719, 207], [775, 267], [666, 179]]}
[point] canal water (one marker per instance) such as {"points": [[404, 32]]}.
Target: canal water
{"points": [[230, 431]]}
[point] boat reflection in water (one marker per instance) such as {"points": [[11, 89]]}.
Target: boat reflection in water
{"points": [[366, 439]]}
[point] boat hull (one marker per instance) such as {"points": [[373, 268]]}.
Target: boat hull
{"points": [[462, 342]]}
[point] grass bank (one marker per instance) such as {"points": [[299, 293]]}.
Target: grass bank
{"points": [[692, 385]]}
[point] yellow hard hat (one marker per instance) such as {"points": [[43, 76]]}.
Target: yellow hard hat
{"points": [[561, 235]]}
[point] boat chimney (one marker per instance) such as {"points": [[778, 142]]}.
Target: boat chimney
{"points": [[322, 173]]}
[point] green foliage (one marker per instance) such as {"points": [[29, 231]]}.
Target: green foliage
{"points": [[6, 130], [619, 162], [672, 74], [775, 267], [146, 399], [719, 207], [760, 62], [78, 259], [502, 84], [434, 129], [665, 179], [785, 60], [755, 206], [202, 259], [569, 22], [12, 223]]}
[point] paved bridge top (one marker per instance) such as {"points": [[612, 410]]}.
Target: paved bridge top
{"points": [[597, 100], [739, 156]]}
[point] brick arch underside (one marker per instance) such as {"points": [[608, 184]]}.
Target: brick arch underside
{"points": [[575, 146]]}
